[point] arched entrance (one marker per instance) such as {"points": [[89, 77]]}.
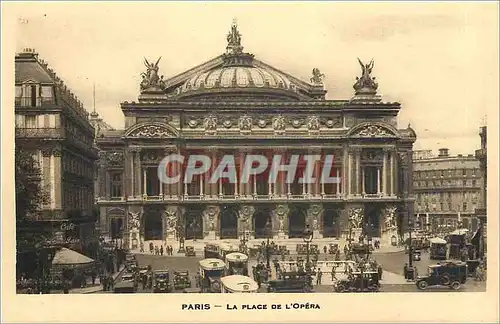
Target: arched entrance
{"points": [[228, 223], [259, 222], [116, 228], [296, 222], [372, 221], [194, 225], [153, 225], [331, 223]]}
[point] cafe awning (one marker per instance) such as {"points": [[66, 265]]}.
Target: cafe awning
{"points": [[69, 257]]}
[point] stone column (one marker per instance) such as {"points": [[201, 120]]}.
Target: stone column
{"points": [[137, 173], [144, 182], [280, 221], [211, 216], [128, 174], [245, 220], [384, 172], [315, 219], [378, 180], [56, 184], [345, 172], [358, 170], [241, 162], [394, 177]]}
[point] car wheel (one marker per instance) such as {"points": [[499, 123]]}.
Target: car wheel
{"points": [[340, 288], [422, 284], [445, 279], [455, 285]]}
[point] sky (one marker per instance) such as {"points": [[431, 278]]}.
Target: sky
{"points": [[439, 60]]}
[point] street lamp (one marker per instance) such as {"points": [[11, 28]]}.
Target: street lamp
{"points": [[308, 237], [269, 229], [180, 234]]}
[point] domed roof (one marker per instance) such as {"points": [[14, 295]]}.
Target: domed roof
{"points": [[239, 74]]}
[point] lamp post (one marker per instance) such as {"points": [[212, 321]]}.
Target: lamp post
{"points": [[308, 237], [269, 229], [180, 234]]}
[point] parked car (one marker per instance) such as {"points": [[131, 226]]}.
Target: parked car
{"points": [[291, 282], [161, 281], [190, 251], [182, 280], [448, 274], [126, 284], [367, 281]]}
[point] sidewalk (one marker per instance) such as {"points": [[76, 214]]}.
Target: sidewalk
{"points": [[290, 244], [94, 288]]}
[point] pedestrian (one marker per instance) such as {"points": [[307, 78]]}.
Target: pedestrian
{"points": [[259, 279], [337, 255], [105, 283], [325, 249], [142, 247], [157, 251], [318, 277], [161, 250], [151, 247], [111, 283], [380, 271], [405, 271], [93, 274]]}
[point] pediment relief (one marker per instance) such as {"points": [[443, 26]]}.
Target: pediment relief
{"points": [[152, 130], [371, 130]]}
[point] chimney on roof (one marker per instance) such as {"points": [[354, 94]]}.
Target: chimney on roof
{"points": [[443, 152]]}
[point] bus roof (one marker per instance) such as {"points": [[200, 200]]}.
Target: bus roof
{"points": [[238, 283], [211, 264], [236, 257]]}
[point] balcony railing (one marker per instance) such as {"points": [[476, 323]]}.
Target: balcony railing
{"points": [[55, 133], [326, 197]]}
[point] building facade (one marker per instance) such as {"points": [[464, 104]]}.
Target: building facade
{"points": [[481, 211], [53, 124], [236, 104], [447, 189]]}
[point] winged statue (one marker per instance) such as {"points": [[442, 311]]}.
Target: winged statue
{"points": [[150, 78]]}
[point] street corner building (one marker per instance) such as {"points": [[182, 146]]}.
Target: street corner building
{"points": [[238, 105], [52, 125]]}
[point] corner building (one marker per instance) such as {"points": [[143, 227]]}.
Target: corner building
{"points": [[236, 104]]}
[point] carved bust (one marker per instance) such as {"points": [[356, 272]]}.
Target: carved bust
{"points": [[279, 123]]}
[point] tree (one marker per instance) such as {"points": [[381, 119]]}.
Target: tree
{"points": [[29, 198]]}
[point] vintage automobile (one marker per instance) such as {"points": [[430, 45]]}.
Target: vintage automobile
{"points": [[211, 251], [126, 284], [449, 274], [161, 283], [210, 272], [190, 251], [181, 280], [438, 249], [291, 282], [143, 272], [417, 254], [357, 281], [236, 264], [225, 248], [238, 284]]}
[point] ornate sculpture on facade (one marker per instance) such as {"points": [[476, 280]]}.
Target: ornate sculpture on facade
{"points": [[210, 214], [374, 131], [210, 123], [356, 217], [152, 131], [317, 78], [245, 123], [114, 159], [314, 214], [366, 83], [279, 123], [150, 78], [280, 213], [234, 40], [390, 217], [134, 221], [313, 123], [171, 216], [246, 212]]}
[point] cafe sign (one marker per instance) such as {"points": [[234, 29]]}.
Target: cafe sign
{"points": [[67, 226]]}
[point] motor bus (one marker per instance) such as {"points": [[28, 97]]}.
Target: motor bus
{"points": [[438, 249], [210, 272], [238, 284], [237, 264]]}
